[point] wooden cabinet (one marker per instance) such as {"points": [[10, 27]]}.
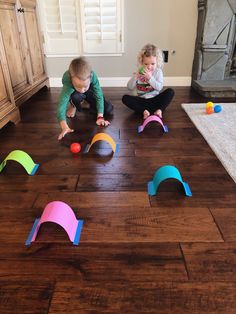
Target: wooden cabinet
{"points": [[8, 109], [21, 41]]}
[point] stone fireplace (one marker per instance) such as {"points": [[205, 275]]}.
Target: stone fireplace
{"points": [[214, 65]]}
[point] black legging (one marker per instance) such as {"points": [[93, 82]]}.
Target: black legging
{"points": [[76, 98], [139, 104]]}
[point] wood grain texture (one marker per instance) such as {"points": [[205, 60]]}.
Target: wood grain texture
{"points": [[210, 261], [96, 199], [226, 220], [25, 295], [157, 297], [37, 183], [118, 262], [166, 253]]}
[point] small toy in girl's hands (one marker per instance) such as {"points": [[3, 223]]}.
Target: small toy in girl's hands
{"points": [[75, 148], [142, 70]]}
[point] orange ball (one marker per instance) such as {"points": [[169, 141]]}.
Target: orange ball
{"points": [[75, 148], [209, 110]]}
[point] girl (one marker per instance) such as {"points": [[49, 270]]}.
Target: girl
{"points": [[148, 83]]}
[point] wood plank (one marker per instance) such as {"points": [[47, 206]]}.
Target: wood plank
{"points": [[95, 199], [110, 224], [226, 220], [17, 200], [37, 183], [146, 297], [204, 164], [101, 164], [92, 262], [210, 261], [163, 148], [112, 182], [25, 295]]}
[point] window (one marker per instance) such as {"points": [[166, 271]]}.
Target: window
{"points": [[73, 27]]}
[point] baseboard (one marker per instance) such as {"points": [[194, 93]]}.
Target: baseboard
{"points": [[122, 81], [177, 81]]}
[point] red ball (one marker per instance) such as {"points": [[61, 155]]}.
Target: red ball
{"points": [[75, 148]]}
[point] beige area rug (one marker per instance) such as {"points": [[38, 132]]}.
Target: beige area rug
{"points": [[219, 130]]}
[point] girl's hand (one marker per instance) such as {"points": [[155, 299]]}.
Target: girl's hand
{"points": [[136, 74], [144, 74], [64, 130], [101, 122], [147, 74]]}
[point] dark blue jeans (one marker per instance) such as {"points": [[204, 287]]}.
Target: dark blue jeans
{"points": [[76, 98], [139, 104]]}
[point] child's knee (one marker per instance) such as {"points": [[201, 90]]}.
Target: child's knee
{"points": [[77, 98], [171, 92], [125, 99]]}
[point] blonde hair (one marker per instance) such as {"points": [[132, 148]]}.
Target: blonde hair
{"points": [[150, 50], [80, 68]]}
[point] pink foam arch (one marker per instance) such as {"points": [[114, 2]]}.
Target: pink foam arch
{"points": [[60, 213]]}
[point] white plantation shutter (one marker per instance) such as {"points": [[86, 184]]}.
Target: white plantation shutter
{"points": [[60, 26], [101, 26], [73, 27]]}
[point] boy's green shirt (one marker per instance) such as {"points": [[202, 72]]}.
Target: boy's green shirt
{"points": [[68, 89]]}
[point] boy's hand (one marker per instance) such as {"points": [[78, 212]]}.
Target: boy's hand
{"points": [[101, 122], [64, 130]]}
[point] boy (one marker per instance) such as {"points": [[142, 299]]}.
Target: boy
{"points": [[81, 83]]}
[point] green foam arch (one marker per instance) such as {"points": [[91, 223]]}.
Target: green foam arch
{"points": [[23, 158]]}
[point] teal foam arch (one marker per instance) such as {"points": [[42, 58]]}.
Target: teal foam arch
{"points": [[163, 173]]}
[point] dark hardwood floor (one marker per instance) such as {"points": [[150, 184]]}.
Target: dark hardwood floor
{"points": [[137, 254]]}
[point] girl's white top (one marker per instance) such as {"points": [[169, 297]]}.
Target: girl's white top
{"points": [[146, 89]]}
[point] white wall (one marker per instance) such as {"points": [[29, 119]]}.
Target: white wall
{"points": [[170, 24]]}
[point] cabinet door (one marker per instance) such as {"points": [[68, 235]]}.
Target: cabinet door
{"points": [[33, 47], [8, 110], [13, 47], [6, 105]]}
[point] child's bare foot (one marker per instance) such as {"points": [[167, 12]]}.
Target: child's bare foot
{"points": [[158, 113], [71, 111], [146, 114]]}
